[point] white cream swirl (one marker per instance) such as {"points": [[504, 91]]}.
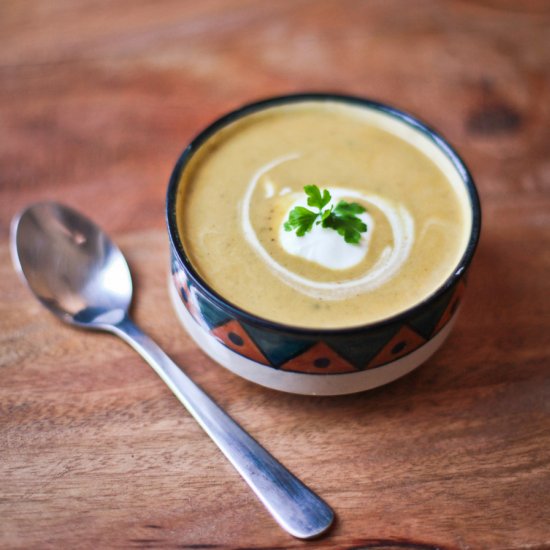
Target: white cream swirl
{"points": [[388, 264]]}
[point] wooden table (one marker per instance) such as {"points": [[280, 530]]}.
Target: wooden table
{"points": [[97, 101]]}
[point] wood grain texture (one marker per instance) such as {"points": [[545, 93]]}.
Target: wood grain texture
{"points": [[97, 99]]}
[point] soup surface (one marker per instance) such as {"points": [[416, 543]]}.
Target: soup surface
{"points": [[239, 187]]}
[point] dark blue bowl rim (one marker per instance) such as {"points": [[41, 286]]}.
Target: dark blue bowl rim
{"points": [[267, 324]]}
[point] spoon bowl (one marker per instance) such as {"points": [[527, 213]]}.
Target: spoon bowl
{"points": [[71, 265], [81, 276]]}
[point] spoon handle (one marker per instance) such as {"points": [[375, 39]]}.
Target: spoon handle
{"points": [[294, 506]]}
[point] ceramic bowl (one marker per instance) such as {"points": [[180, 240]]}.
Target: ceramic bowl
{"points": [[315, 361]]}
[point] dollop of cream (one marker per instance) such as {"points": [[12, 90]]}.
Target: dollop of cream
{"points": [[324, 246], [385, 267]]}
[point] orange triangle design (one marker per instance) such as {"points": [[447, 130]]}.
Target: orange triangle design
{"points": [[235, 337], [319, 359], [404, 342], [451, 308]]}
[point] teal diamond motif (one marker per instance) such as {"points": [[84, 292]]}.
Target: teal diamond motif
{"points": [[277, 348], [426, 322], [360, 351], [212, 315]]}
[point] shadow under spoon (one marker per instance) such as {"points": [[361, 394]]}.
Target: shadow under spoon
{"points": [[81, 276]]}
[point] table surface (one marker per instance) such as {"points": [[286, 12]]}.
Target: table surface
{"points": [[97, 101]]}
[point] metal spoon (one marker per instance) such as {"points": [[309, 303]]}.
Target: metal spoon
{"points": [[81, 276]]}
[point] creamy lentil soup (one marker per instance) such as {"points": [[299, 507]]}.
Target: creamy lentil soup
{"points": [[237, 191]]}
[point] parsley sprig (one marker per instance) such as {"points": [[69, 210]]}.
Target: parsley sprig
{"points": [[342, 217]]}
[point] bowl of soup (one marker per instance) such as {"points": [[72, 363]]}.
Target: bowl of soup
{"points": [[313, 311]]}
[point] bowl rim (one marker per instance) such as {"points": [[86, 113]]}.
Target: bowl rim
{"points": [[268, 324]]}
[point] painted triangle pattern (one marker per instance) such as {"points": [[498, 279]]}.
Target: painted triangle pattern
{"points": [[211, 315], [402, 343], [452, 307], [360, 351], [233, 335], [184, 291], [319, 359], [337, 353], [425, 322], [278, 348], [180, 282]]}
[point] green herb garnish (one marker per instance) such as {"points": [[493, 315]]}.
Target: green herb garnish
{"points": [[342, 218]]}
